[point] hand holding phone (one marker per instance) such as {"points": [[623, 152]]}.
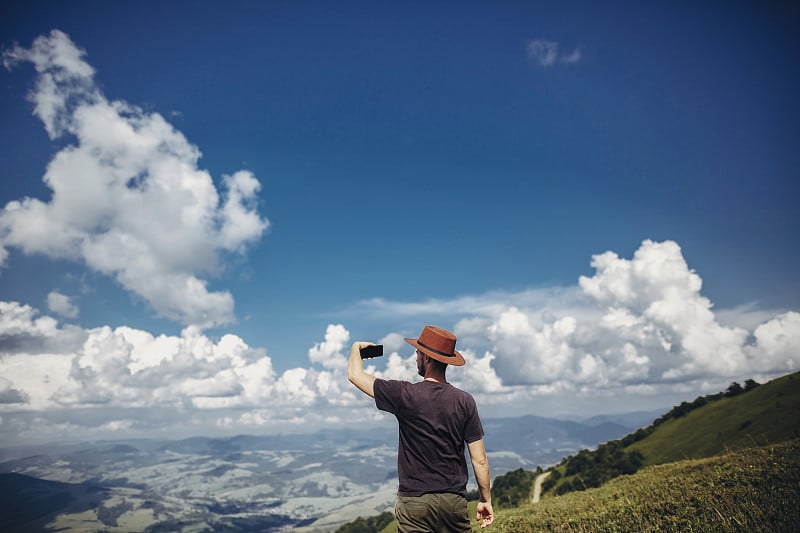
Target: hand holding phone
{"points": [[374, 350]]}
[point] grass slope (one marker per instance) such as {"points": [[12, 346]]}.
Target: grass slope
{"points": [[28, 503], [751, 490], [767, 414]]}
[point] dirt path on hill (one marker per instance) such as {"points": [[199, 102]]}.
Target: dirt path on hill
{"points": [[537, 486]]}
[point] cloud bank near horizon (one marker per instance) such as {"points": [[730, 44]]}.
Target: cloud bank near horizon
{"points": [[128, 198], [637, 327]]}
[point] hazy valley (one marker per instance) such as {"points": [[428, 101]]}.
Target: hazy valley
{"points": [[311, 482]]}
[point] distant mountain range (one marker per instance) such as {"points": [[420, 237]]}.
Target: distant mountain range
{"points": [[310, 482]]}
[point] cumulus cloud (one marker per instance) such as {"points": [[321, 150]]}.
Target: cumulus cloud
{"points": [[661, 295], [637, 328], [547, 53], [478, 376], [128, 198], [22, 330], [131, 369], [777, 342], [329, 353], [8, 394], [644, 321], [18, 320], [61, 304], [638, 324]]}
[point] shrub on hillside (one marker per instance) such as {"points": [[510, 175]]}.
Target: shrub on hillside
{"points": [[512, 488], [593, 468], [551, 480]]}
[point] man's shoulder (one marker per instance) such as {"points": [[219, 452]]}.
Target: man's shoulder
{"points": [[390, 384], [393, 382], [457, 391]]}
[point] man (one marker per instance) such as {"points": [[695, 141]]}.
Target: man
{"points": [[435, 421]]}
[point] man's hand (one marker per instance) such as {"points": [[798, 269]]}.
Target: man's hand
{"points": [[485, 514]]}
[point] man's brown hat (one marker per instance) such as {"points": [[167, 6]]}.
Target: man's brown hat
{"points": [[439, 344]]}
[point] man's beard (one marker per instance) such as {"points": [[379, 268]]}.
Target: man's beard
{"points": [[421, 369]]}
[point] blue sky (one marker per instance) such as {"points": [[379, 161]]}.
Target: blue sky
{"points": [[388, 165]]}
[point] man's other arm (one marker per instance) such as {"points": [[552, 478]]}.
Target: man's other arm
{"points": [[355, 370], [480, 465]]}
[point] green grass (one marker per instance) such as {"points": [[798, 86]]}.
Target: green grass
{"points": [[751, 490], [755, 490], [769, 413]]}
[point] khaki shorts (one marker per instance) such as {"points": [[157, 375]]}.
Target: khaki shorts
{"points": [[441, 512]]}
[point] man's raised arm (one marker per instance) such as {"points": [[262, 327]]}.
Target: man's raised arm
{"points": [[355, 370]]}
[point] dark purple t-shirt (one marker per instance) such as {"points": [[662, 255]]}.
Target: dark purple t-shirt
{"points": [[435, 420]]}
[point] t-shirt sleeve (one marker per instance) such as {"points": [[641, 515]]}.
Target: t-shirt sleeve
{"points": [[387, 395], [473, 429]]}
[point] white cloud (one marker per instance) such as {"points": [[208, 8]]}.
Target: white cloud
{"points": [[661, 294], [127, 368], [393, 342], [295, 387], [59, 62], [399, 368], [778, 342], [638, 330], [547, 53], [8, 394], [477, 375], [62, 305], [573, 57], [329, 353], [470, 307], [115, 426], [128, 198], [543, 52], [636, 322], [36, 378], [18, 320]]}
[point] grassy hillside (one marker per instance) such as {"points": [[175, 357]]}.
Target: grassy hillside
{"points": [[710, 425], [750, 490], [28, 503], [767, 414]]}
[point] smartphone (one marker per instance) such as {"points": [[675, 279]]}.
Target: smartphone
{"points": [[368, 352]]}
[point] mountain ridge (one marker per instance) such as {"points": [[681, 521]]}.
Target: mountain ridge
{"points": [[737, 418], [258, 482]]}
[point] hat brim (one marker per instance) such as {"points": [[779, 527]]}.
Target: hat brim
{"points": [[455, 360]]}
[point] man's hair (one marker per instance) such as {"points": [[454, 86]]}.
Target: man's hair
{"points": [[438, 365]]}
